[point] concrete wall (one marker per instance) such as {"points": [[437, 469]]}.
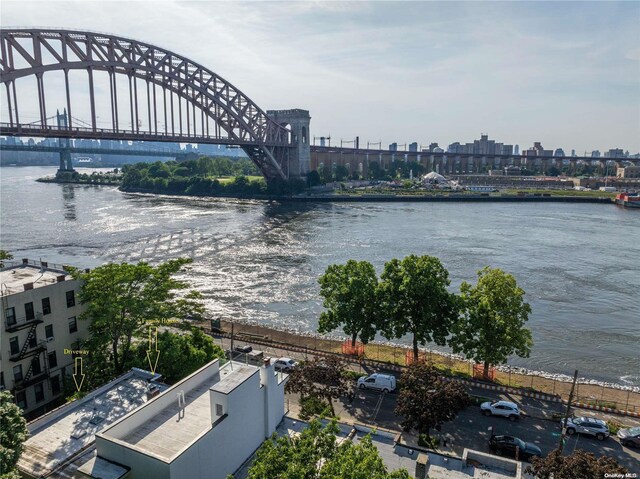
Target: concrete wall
{"points": [[223, 449], [142, 466]]}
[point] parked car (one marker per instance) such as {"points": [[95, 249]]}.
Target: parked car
{"points": [[501, 408], [243, 349], [284, 364], [630, 436], [587, 425], [381, 382], [508, 445]]}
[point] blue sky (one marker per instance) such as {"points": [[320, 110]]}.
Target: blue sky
{"points": [[566, 74]]}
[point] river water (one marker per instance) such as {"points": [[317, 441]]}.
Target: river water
{"points": [[259, 261]]}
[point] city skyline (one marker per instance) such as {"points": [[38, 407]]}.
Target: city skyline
{"points": [[405, 72]]}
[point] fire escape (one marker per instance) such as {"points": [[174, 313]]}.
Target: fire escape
{"points": [[31, 348]]}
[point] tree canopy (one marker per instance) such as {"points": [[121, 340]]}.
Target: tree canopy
{"points": [[414, 299], [349, 293], [491, 327], [13, 433], [320, 377], [578, 465], [121, 299], [426, 400], [315, 454], [180, 354]]}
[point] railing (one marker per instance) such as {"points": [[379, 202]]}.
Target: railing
{"points": [[8, 264], [22, 321], [39, 346]]}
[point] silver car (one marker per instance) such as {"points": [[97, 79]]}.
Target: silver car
{"points": [[588, 426], [501, 408]]}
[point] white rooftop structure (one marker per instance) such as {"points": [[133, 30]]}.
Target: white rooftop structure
{"points": [[68, 432], [205, 426], [434, 177], [18, 276]]}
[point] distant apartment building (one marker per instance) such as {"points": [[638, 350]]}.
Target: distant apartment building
{"points": [[40, 328], [628, 172], [393, 147], [537, 150], [559, 152], [413, 146], [595, 154], [516, 150], [484, 146], [614, 153]]}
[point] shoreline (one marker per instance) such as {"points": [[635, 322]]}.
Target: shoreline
{"points": [[589, 391]]}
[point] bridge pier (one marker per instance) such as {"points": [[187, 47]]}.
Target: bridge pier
{"points": [[299, 155]]}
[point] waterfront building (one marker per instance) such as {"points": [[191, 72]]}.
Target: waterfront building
{"points": [[40, 328], [628, 172]]}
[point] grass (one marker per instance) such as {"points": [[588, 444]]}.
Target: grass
{"points": [[229, 179], [529, 191]]}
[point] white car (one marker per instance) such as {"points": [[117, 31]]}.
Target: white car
{"points": [[284, 364], [381, 382], [501, 408], [587, 425]]}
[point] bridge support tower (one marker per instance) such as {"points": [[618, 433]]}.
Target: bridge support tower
{"points": [[65, 150], [299, 155]]}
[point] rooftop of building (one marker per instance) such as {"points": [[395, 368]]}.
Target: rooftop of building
{"points": [[168, 428], [68, 432], [22, 275]]}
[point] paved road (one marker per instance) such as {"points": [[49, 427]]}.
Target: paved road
{"points": [[471, 429]]}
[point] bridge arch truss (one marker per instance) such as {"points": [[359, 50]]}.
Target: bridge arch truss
{"points": [[167, 97]]}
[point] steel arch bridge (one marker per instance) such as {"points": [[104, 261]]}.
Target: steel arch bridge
{"points": [[165, 97]]}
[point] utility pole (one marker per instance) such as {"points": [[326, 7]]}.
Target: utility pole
{"points": [[566, 414]]}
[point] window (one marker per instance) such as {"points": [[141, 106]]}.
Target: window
{"points": [[71, 298], [33, 341], [73, 324], [17, 373], [21, 399], [13, 343], [53, 361], [46, 306], [48, 331], [218, 409], [10, 314], [55, 385], [36, 367], [28, 311], [2, 379], [39, 390]]}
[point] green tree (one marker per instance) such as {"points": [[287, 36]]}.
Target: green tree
{"points": [[313, 178], [578, 465], [320, 377], [341, 173], [349, 293], [316, 454], [13, 433], [121, 298], [426, 400], [414, 299], [491, 327], [180, 354], [4, 255]]}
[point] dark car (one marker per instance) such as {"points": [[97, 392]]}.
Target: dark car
{"points": [[508, 445], [630, 437], [243, 349]]}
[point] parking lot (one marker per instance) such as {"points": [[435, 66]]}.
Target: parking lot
{"points": [[472, 430]]}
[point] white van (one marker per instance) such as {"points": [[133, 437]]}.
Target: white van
{"points": [[381, 382]]}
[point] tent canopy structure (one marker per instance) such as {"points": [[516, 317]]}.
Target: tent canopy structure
{"points": [[434, 177]]}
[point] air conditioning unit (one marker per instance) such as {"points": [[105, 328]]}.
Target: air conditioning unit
{"points": [[49, 339]]}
